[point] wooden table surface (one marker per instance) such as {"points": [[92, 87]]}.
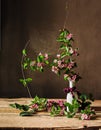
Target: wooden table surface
{"points": [[10, 119]]}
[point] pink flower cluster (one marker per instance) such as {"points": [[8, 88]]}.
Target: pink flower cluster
{"points": [[73, 52], [70, 65], [42, 63], [85, 117], [45, 56], [73, 78], [34, 106], [70, 77], [56, 103], [59, 64], [55, 69], [69, 36]]}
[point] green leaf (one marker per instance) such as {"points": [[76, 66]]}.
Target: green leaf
{"points": [[83, 97], [23, 81], [66, 78], [47, 62], [67, 49], [24, 52], [69, 114], [65, 40], [73, 108], [27, 60], [25, 107], [90, 97], [67, 71], [20, 107], [69, 44], [33, 68], [63, 55], [62, 34], [41, 69], [25, 65], [28, 113], [59, 40], [13, 105], [40, 58], [28, 80], [62, 46]]}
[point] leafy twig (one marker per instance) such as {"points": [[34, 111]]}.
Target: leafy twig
{"points": [[22, 70]]}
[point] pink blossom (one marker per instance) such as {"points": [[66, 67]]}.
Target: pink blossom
{"points": [[55, 61], [61, 103], [85, 117], [69, 36], [34, 106], [65, 65], [74, 78], [75, 52], [40, 64], [46, 56], [70, 65], [65, 75], [40, 54], [55, 69], [58, 55], [56, 103], [61, 64], [32, 63], [62, 111], [49, 104], [71, 50], [63, 60]]}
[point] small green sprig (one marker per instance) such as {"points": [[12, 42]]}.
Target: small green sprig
{"points": [[55, 110], [39, 102], [20, 107], [56, 107], [25, 81], [85, 100], [27, 63], [87, 113], [72, 108], [63, 37], [25, 109]]}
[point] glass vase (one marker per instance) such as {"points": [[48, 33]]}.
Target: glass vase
{"points": [[69, 96]]}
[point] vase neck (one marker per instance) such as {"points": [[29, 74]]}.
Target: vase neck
{"points": [[70, 84]]}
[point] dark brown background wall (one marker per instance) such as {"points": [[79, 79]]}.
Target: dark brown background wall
{"points": [[40, 21]]}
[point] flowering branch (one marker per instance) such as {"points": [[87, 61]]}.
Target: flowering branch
{"points": [[63, 61], [27, 63]]}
